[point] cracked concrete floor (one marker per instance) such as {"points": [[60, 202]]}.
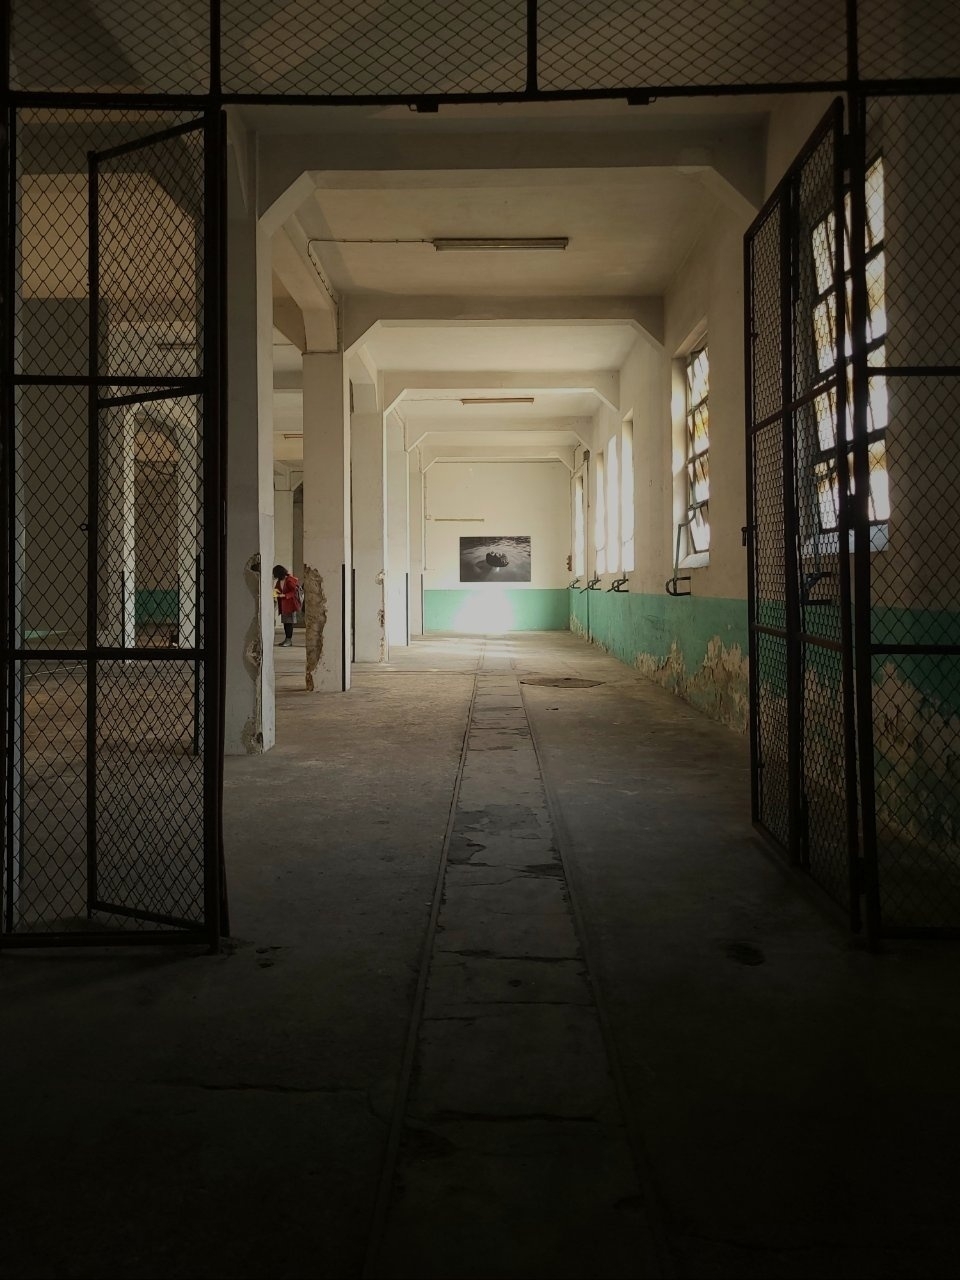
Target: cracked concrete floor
{"points": [[739, 1090]]}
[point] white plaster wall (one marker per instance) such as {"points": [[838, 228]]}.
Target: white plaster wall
{"points": [[504, 498], [790, 124]]}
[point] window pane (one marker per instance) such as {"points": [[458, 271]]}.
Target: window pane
{"points": [[874, 187], [825, 333], [600, 518], [700, 479], [698, 378], [579, 530], [699, 531], [626, 492], [879, 482], [828, 495], [826, 411], [701, 428], [613, 506], [823, 251], [876, 306]]}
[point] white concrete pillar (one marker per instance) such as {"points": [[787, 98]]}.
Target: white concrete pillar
{"points": [[368, 463], [415, 492], [326, 521], [398, 535], [250, 725]]}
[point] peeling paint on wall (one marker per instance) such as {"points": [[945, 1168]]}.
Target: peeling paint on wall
{"points": [[315, 620], [251, 735], [697, 650], [917, 753]]}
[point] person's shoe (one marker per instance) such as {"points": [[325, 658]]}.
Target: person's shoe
{"points": [[286, 644]]}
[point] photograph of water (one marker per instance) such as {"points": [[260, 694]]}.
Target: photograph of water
{"points": [[494, 559]]}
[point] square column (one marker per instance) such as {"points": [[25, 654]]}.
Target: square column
{"points": [[415, 503], [368, 461], [398, 535], [327, 567], [250, 721]]}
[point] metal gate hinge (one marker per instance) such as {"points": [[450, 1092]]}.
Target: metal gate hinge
{"points": [[745, 532]]}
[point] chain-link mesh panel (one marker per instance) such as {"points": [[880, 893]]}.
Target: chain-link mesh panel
{"points": [[150, 272], [766, 317], [905, 40], [150, 524], [45, 880], [912, 449], [824, 783], [108, 814], [916, 733], [769, 586], [770, 655], [345, 48], [689, 42], [50, 491], [149, 793], [111, 48], [51, 282], [918, 140]]}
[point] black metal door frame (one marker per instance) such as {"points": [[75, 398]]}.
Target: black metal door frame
{"points": [[105, 390], [786, 643]]}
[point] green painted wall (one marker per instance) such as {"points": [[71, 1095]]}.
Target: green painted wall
{"points": [[695, 646], [481, 609]]}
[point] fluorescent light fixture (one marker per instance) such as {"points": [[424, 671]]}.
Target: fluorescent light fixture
{"points": [[498, 400], [500, 243], [293, 435]]}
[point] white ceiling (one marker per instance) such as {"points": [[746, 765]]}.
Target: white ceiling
{"points": [[495, 347], [431, 408], [629, 231]]}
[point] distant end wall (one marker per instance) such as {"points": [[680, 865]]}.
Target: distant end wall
{"points": [[489, 610]]}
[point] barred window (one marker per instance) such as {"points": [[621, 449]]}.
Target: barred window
{"points": [[627, 558], [600, 518], [579, 528], [825, 340], [698, 450], [613, 506]]}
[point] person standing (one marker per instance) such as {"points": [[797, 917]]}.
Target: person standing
{"points": [[286, 592]]}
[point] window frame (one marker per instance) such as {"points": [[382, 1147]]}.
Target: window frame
{"points": [[600, 517], [696, 507], [824, 459], [628, 559]]}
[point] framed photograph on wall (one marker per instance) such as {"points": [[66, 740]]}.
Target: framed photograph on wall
{"points": [[490, 559]]}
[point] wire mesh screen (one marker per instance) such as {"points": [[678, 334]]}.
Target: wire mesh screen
{"points": [[912, 451], [106, 808], [348, 49], [768, 588], [405, 49], [60, 46], [690, 42], [798, 521], [818, 321]]}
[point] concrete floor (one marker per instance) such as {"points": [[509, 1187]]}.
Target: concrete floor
{"points": [[514, 992]]}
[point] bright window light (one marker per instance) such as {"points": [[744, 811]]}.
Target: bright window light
{"points": [[579, 528], [613, 506], [698, 450], [600, 518], [627, 559], [824, 334]]}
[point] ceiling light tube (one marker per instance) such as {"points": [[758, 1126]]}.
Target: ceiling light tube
{"points": [[497, 245], [497, 400]]}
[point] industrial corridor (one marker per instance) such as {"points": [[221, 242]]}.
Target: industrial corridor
{"points": [[514, 990]]}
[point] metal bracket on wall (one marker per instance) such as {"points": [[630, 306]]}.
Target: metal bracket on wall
{"points": [[592, 585], [618, 585]]}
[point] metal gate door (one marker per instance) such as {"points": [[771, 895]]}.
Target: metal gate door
{"points": [[802, 723], [113, 528]]}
